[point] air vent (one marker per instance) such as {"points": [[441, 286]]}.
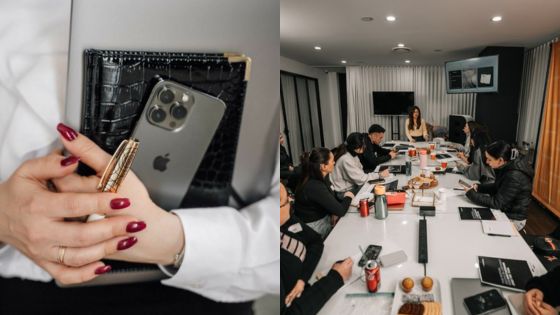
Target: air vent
{"points": [[401, 50]]}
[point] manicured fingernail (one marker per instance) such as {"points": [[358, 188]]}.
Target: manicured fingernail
{"points": [[69, 160], [133, 227], [67, 132], [127, 243], [120, 203], [102, 270]]}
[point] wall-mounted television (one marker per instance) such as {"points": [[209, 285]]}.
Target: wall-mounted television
{"points": [[392, 103], [474, 75]]}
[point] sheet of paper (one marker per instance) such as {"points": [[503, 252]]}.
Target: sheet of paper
{"points": [[485, 78]]}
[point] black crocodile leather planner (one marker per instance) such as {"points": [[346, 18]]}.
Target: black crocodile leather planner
{"points": [[115, 87]]}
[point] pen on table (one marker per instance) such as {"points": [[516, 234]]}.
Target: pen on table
{"points": [[367, 294], [458, 189], [490, 234]]}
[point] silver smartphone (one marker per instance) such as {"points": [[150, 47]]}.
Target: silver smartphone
{"points": [[174, 130]]}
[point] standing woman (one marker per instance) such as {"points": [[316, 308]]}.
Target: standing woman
{"points": [[511, 192], [315, 200], [416, 130], [348, 174]]}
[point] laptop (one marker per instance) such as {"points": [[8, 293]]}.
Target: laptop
{"points": [[462, 288], [189, 26]]}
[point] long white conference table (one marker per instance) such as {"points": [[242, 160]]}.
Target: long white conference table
{"points": [[453, 247]]}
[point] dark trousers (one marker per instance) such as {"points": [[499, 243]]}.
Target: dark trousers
{"points": [[419, 139], [31, 297]]}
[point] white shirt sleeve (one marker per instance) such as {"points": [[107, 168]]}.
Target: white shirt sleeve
{"points": [[232, 255]]}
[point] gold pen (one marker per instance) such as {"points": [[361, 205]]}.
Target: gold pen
{"points": [[116, 170]]}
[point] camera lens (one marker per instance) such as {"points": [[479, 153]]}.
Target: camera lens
{"points": [[158, 115], [178, 111], [166, 96]]}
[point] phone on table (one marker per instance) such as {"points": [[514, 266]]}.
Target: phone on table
{"points": [[485, 303], [464, 184], [371, 253], [376, 181], [174, 130]]}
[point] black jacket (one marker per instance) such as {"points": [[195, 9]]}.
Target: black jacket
{"points": [[292, 269], [373, 155], [285, 163], [316, 199], [549, 284], [511, 192]]}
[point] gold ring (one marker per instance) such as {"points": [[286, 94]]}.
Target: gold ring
{"points": [[61, 252]]}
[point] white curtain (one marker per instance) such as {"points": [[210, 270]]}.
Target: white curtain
{"points": [[427, 83], [533, 84], [290, 106]]}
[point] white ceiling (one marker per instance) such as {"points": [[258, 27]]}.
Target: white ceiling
{"points": [[461, 29]]}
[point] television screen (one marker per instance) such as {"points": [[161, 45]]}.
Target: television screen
{"points": [[474, 75], [392, 103]]}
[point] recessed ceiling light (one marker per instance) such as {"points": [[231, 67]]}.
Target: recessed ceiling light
{"points": [[407, 61], [400, 45], [437, 50], [496, 18], [367, 19], [342, 61], [391, 18], [317, 47]]}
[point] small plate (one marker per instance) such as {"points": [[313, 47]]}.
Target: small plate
{"points": [[400, 295]]}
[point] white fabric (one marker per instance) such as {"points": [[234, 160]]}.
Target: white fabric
{"points": [[348, 173], [533, 85], [229, 255], [427, 82]]}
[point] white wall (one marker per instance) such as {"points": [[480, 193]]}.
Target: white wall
{"points": [[328, 96]]}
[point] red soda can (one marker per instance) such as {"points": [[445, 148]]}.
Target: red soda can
{"points": [[364, 208], [373, 276]]}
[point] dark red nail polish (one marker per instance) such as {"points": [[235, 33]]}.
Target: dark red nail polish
{"points": [[69, 160], [67, 132], [133, 227], [120, 203], [102, 270], [127, 243]]}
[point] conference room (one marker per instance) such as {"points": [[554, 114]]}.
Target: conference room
{"points": [[419, 157]]}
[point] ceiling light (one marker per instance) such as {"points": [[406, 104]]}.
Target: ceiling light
{"points": [[496, 18], [343, 61], [367, 19], [317, 47], [390, 18], [407, 61], [438, 50], [400, 45]]}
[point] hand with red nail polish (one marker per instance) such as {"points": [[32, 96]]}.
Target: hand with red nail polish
{"points": [[32, 219], [158, 234]]}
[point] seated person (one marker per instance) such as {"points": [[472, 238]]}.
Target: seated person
{"points": [[543, 294], [315, 200], [478, 169], [300, 251], [348, 174], [374, 154], [511, 192], [469, 128], [415, 126], [286, 165]]}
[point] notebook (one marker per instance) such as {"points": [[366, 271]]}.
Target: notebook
{"points": [[510, 274]]}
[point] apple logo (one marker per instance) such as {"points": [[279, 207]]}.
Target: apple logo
{"points": [[160, 162]]}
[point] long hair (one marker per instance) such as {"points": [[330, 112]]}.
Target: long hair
{"points": [[481, 140], [411, 122], [311, 165], [354, 141], [499, 149]]}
